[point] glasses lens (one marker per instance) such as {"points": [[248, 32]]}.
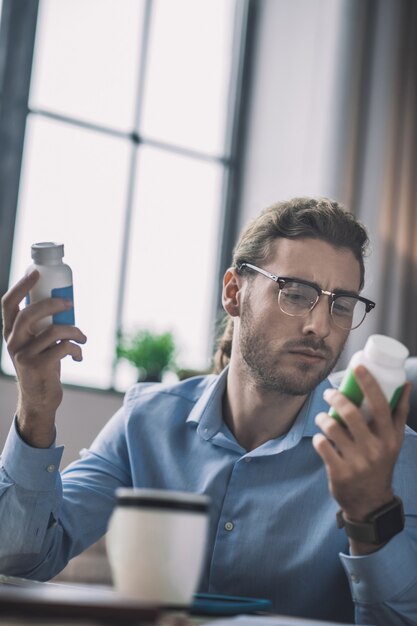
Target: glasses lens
{"points": [[348, 312], [297, 299]]}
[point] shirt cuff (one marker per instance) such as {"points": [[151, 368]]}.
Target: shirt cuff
{"points": [[34, 469], [384, 574]]}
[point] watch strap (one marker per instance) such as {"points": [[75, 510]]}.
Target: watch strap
{"points": [[380, 525]]}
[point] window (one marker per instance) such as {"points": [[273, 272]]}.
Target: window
{"points": [[126, 160]]}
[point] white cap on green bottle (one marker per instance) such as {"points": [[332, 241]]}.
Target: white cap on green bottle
{"points": [[386, 351]]}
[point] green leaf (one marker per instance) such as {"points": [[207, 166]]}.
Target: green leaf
{"points": [[144, 349]]}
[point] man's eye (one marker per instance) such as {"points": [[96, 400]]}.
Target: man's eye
{"points": [[344, 306], [295, 296]]}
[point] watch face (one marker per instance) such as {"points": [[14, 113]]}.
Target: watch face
{"points": [[389, 523]]}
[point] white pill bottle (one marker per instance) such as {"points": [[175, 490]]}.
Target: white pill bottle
{"points": [[385, 358], [55, 281]]}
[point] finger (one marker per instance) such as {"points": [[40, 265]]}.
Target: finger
{"points": [[62, 349], [52, 335], [13, 297], [375, 398], [328, 453], [28, 318], [402, 409], [351, 415], [338, 436], [68, 348]]}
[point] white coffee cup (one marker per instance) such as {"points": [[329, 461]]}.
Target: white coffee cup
{"points": [[156, 544]]}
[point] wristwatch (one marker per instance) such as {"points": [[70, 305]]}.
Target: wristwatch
{"points": [[380, 525]]}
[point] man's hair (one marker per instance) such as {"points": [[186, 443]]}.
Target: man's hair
{"points": [[308, 218]]}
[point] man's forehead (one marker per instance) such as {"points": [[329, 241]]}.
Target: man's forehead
{"points": [[315, 260]]}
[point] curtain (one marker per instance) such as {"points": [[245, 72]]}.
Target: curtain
{"points": [[376, 157]]}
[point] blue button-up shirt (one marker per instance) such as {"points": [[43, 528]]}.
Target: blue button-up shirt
{"points": [[272, 526]]}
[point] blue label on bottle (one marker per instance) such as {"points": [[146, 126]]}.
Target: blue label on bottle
{"points": [[64, 317]]}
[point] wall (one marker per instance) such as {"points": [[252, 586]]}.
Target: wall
{"points": [[80, 416], [291, 111]]}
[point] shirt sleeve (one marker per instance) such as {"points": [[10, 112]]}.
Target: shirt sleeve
{"points": [[47, 517], [29, 492], [384, 583]]}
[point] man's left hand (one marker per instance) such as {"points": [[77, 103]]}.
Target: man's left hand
{"points": [[360, 456]]}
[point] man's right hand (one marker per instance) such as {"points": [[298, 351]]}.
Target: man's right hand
{"points": [[37, 359]]}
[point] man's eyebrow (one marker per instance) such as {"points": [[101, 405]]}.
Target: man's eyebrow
{"points": [[336, 291], [346, 292]]}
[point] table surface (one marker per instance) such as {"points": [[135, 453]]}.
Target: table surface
{"points": [[25, 602]]}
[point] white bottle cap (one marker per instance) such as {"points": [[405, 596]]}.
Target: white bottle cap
{"points": [[386, 351], [47, 252]]}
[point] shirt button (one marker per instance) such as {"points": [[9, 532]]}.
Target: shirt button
{"points": [[248, 459], [50, 468], [229, 526], [354, 578]]}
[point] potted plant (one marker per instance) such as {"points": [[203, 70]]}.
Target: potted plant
{"points": [[152, 354]]}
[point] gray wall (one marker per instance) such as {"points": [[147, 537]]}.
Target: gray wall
{"points": [[81, 415], [292, 114]]}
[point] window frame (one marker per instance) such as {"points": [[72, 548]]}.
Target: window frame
{"points": [[17, 42]]}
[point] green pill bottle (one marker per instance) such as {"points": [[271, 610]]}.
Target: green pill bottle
{"points": [[385, 358]]}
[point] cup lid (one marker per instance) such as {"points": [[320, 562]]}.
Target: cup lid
{"points": [[162, 499]]}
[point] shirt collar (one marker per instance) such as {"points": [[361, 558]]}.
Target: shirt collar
{"points": [[314, 404], [207, 413]]}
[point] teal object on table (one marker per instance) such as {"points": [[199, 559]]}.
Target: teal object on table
{"points": [[212, 604]]}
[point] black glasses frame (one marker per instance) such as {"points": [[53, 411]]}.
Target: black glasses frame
{"points": [[333, 295]]}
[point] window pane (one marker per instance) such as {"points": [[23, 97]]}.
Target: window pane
{"points": [[86, 59], [73, 190], [187, 77], [1, 15], [173, 251]]}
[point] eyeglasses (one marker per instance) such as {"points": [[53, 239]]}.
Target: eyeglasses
{"points": [[298, 297]]}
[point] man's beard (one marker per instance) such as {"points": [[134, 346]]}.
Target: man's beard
{"points": [[264, 365]]}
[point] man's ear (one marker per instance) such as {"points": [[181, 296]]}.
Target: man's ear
{"points": [[231, 296]]}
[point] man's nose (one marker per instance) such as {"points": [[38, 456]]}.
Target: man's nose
{"points": [[318, 321]]}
